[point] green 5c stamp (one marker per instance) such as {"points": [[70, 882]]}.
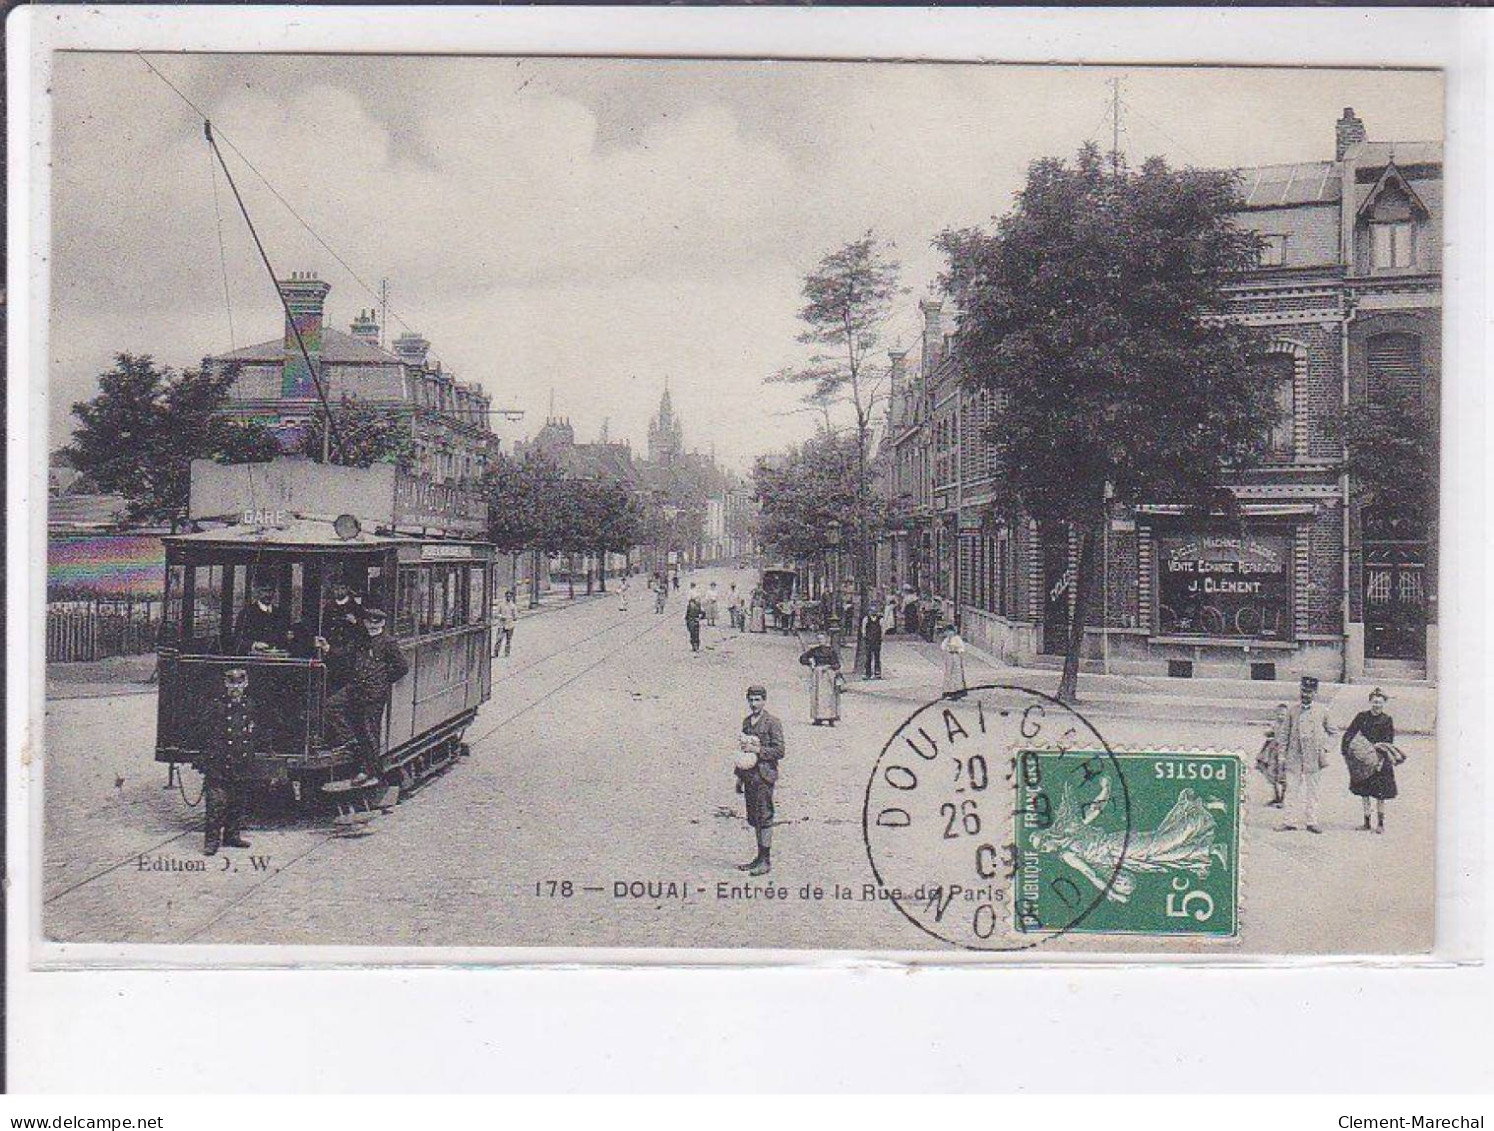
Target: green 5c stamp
{"points": [[1172, 868]]}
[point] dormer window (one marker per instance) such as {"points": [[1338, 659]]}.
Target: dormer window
{"points": [[1394, 243]]}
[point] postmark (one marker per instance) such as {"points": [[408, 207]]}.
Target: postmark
{"points": [[940, 815]]}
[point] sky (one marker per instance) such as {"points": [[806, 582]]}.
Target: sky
{"points": [[592, 228]]}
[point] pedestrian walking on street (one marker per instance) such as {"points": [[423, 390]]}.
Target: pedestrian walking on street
{"points": [[757, 611], [508, 616], [661, 594], [871, 643], [1271, 761], [734, 606], [622, 595], [1305, 750], [694, 614], [378, 664], [1370, 750], [712, 604], [954, 664], [228, 745], [889, 614], [825, 681], [762, 748]]}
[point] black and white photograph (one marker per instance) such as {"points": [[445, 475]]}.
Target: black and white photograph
{"points": [[765, 505]]}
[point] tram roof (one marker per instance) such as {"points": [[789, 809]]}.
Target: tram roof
{"points": [[295, 534]]}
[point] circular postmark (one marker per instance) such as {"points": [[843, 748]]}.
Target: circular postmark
{"points": [[967, 800]]}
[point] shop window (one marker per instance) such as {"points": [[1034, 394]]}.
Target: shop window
{"points": [[1393, 244]]}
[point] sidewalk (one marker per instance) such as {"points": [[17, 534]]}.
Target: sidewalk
{"points": [[915, 673]]}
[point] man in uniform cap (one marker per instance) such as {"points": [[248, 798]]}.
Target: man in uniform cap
{"points": [[755, 784], [376, 665], [227, 747], [1304, 752]]}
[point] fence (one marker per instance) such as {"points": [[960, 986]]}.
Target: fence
{"points": [[100, 628]]}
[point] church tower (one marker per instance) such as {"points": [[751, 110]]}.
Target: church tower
{"points": [[666, 439]]}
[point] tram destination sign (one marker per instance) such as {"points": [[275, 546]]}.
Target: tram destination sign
{"points": [[379, 496]]}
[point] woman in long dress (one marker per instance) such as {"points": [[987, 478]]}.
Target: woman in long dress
{"points": [[1369, 749], [825, 681], [757, 612], [954, 664], [622, 595]]}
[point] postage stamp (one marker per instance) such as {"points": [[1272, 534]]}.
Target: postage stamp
{"points": [[1155, 833]]}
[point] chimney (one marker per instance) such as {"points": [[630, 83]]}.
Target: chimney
{"points": [[411, 348], [897, 377], [366, 328], [933, 335], [1350, 132], [305, 297]]}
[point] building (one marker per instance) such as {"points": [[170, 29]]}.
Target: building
{"points": [[1300, 571], [449, 422]]}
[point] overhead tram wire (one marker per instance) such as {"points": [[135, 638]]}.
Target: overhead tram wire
{"points": [[222, 253], [239, 153], [329, 432]]}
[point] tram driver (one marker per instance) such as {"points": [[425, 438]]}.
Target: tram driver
{"points": [[263, 626]]}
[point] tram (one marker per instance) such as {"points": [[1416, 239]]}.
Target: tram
{"points": [[412, 547]]}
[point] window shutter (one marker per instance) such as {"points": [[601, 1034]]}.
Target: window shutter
{"points": [[1394, 365]]}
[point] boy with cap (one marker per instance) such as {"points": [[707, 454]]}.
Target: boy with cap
{"points": [[1304, 753], [756, 783]]}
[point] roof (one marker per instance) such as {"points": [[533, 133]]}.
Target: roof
{"points": [[299, 533], [337, 348], [85, 510], [1306, 182], [1372, 154]]}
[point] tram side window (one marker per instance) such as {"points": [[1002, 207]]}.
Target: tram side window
{"points": [[435, 606], [407, 605], [171, 624], [477, 577], [456, 596], [206, 630]]}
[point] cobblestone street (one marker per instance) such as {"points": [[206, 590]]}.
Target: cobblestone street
{"points": [[603, 759]]}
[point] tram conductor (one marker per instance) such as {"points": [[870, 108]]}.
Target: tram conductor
{"points": [[228, 747]]}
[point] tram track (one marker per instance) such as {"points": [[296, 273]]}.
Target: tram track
{"points": [[655, 623], [135, 855]]}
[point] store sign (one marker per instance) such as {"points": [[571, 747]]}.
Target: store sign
{"points": [[1224, 585], [436, 552], [419, 501]]}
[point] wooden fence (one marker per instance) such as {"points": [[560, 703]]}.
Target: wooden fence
{"points": [[100, 628]]}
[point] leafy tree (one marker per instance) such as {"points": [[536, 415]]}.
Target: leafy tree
{"points": [[1392, 455], [139, 435], [522, 497], [363, 434], [1092, 312], [803, 491], [847, 299]]}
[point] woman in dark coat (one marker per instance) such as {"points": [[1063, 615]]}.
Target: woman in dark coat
{"points": [[1372, 772]]}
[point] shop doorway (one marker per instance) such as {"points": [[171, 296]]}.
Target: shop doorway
{"points": [[1395, 602]]}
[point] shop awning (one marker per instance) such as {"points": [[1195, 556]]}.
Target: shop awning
{"points": [[1247, 510]]}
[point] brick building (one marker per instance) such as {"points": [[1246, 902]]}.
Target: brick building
{"points": [[448, 420], [1300, 571]]}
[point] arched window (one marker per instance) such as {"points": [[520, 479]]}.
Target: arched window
{"points": [[1394, 368]]}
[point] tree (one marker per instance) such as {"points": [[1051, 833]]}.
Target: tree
{"points": [[1093, 313], [616, 513], [139, 435], [847, 299], [803, 491], [363, 434], [522, 498], [1391, 447]]}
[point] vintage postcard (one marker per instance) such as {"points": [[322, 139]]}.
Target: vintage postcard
{"points": [[957, 511]]}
